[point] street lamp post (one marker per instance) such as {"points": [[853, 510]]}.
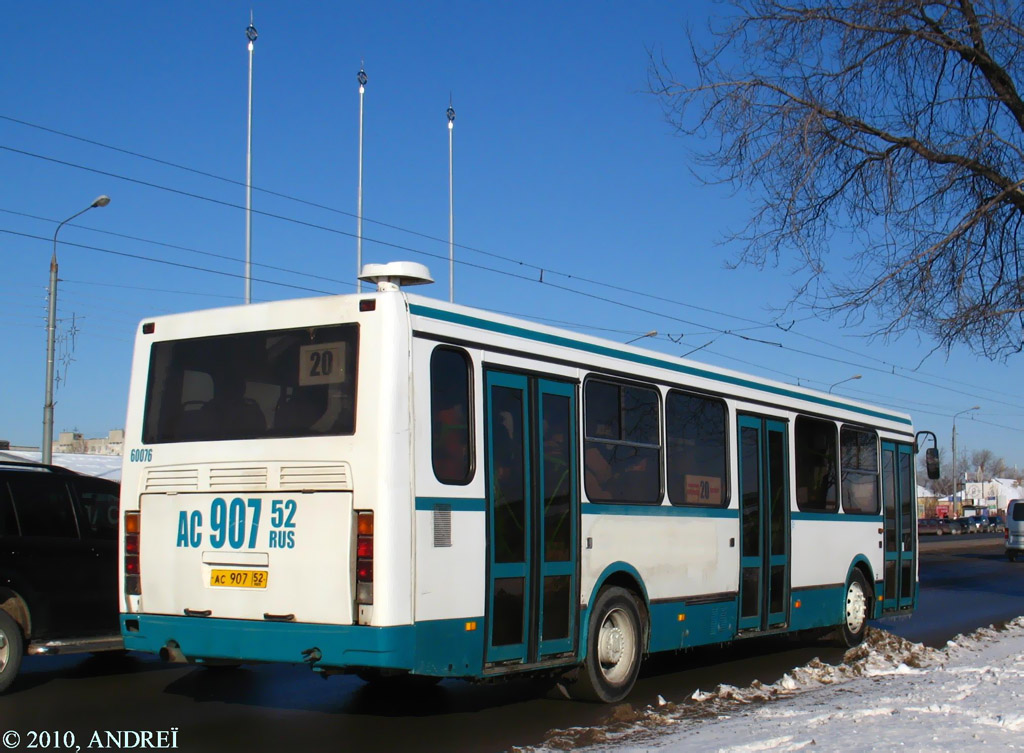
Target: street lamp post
{"points": [[51, 324], [966, 410], [848, 379]]}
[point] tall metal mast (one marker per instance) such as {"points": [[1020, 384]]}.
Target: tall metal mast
{"points": [[451, 206], [361, 77], [250, 34]]}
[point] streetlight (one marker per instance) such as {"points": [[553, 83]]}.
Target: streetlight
{"points": [[848, 379], [966, 410], [51, 323], [652, 333]]}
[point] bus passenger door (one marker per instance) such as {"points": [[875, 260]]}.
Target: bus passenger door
{"points": [[532, 514], [764, 524], [899, 501]]}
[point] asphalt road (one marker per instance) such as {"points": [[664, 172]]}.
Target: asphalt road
{"points": [[966, 583]]}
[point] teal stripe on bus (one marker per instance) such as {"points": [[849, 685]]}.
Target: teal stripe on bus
{"points": [[668, 511], [602, 350], [458, 504], [831, 517]]}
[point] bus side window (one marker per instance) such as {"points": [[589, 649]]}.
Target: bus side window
{"points": [[697, 455], [451, 434], [816, 465], [860, 470], [622, 447]]}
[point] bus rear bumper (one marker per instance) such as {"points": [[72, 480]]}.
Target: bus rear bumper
{"points": [[448, 650]]}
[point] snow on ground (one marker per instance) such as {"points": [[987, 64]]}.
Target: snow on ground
{"points": [[887, 695], [104, 466]]}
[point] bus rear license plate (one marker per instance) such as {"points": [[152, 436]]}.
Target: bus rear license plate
{"points": [[238, 578]]}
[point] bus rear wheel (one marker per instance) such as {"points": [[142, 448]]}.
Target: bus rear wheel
{"points": [[614, 648], [856, 610]]}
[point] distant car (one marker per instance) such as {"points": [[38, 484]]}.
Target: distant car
{"points": [[957, 525], [928, 527], [971, 524], [58, 564], [996, 524], [1014, 531], [945, 528]]}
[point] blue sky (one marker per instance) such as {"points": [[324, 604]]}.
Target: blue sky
{"points": [[562, 161]]}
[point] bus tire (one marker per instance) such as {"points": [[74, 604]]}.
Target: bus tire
{"points": [[614, 648], [856, 610], [12, 647]]}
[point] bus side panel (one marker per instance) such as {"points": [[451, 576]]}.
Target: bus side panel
{"points": [[450, 541], [677, 556], [823, 552]]}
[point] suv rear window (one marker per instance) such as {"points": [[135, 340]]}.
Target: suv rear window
{"points": [[98, 501], [1018, 511], [43, 504]]}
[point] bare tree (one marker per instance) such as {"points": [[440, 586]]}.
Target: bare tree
{"points": [[892, 127]]}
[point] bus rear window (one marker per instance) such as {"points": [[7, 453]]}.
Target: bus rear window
{"points": [[281, 383]]}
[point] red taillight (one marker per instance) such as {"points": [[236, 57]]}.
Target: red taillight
{"points": [[364, 548], [132, 550], [364, 558]]}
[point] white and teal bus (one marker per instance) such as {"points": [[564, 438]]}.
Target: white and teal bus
{"points": [[386, 484]]}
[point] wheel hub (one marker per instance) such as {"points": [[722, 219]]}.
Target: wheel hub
{"points": [[612, 645], [856, 608]]}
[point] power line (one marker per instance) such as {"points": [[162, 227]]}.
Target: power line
{"points": [[508, 259], [178, 248], [540, 279], [164, 261]]}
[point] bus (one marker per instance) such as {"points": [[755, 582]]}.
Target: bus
{"points": [[389, 485]]}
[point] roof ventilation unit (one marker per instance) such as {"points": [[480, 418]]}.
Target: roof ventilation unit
{"points": [[395, 275]]}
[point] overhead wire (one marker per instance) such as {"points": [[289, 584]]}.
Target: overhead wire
{"points": [[519, 262], [734, 333]]}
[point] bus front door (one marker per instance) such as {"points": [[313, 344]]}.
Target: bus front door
{"points": [[532, 514], [764, 524], [899, 502]]}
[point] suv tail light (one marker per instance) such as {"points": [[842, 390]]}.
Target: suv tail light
{"points": [[132, 575], [364, 558]]}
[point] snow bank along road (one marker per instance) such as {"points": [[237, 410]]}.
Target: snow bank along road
{"points": [[888, 694]]}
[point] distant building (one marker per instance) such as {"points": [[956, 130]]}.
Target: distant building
{"points": [[5, 444], [993, 495], [75, 442]]}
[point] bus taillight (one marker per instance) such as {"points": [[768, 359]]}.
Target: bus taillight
{"points": [[364, 558], [132, 531]]}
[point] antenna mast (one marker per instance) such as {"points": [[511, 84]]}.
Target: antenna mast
{"points": [[250, 34], [451, 206]]}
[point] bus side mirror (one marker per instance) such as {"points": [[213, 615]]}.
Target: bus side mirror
{"points": [[931, 461]]}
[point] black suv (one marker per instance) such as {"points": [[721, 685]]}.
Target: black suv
{"points": [[58, 564]]}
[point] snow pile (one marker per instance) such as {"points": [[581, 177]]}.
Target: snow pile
{"points": [[888, 694], [882, 653]]}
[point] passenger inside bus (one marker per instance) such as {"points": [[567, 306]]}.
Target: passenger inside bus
{"points": [[231, 409]]}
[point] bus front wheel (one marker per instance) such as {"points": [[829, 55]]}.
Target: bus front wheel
{"points": [[614, 648], [856, 610]]}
